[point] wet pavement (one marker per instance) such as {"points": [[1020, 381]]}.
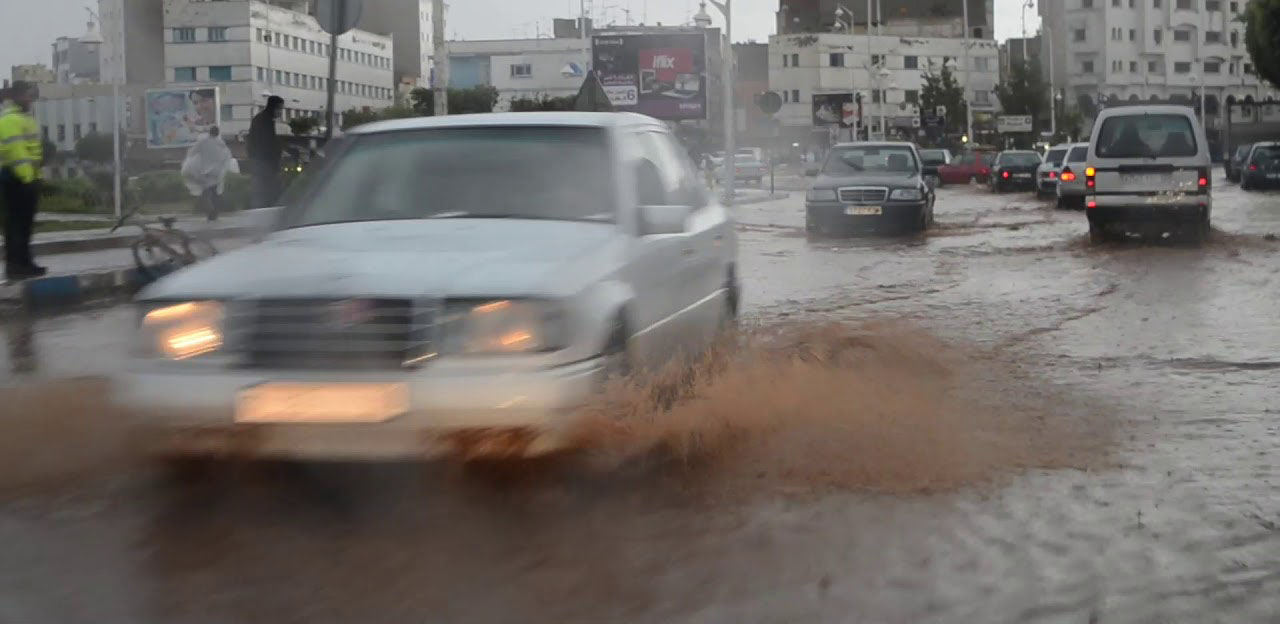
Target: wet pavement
{"points": [[1034, 430]]}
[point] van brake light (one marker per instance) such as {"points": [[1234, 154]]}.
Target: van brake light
{"points": [[1089, 173]]}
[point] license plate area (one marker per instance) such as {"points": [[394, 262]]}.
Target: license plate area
{"points": [[863, 210], [1023, 176], [322, 403], [1146, 179]]}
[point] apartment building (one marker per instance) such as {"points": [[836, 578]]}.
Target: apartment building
{"points": [[1112, 51], [888, 71], [905, 18], [132, 50], [519, 67], [75, 59], [408, 22], [251, 49]]}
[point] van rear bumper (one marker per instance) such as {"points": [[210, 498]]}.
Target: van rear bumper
{"points": [[1140, 210]]}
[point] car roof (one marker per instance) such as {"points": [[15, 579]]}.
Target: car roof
{"points": [[1020, 152], [1061, 146], [1153, 109], [567, 119], [875, 144]]}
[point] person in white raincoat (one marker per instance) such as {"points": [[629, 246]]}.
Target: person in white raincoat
{"points": [[205, 171]]}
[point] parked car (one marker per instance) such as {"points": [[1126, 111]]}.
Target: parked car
{"points": [[971, 167], [872, 187], [1047, 174], [1015, 169], [1148, 174], [1261, 167], [747, 167], [931, 159], [410, 304], [1233, 165], [1071, 180]]}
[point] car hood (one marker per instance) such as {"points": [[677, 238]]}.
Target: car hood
{"points": [[427, 258], [900, 180]]}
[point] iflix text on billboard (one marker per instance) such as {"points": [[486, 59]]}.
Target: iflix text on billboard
{"points": [[660, 75]]}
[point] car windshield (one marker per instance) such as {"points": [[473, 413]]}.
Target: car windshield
{"points": [[1243, 151], [533, 172], [858, 159], [1019, 159], [1055, 156], [933, 157], [1078, 154], [1266, 155], [1165, 135]]}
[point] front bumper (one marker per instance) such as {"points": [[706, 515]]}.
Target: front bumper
{"points": [[452, 410], [830, 219]]}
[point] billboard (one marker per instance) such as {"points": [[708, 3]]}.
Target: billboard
{"points": [[834, 108], [660, 75], [177, 116]]}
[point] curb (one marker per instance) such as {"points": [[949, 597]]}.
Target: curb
{"points": [[117, 241], [745, 201], [64, 290]]}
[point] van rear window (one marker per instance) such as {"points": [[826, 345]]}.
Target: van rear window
{"points": [[1147, 136], [1078, 154]]}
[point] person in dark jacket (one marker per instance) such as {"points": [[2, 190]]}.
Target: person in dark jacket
{"points": [[264, 154]]}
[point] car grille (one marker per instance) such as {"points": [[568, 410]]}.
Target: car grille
{"points": [[863, 194], [331, 334]]}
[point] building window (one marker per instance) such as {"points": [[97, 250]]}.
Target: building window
{"points": [[1185, 5], [1078, 34], [786, 97], [217, 33], [978, 33], [1235, 7], [220, 73], [875, 96], [184, 35], [1248, 68], [1086, 67], [911, 62], [1213, 5], [227, 111], [1086, 4], [1213, 36], [837, 59], [1182, 67], [1115, 3], [1133, 67], [795, 60], [279, 77], [1182, 35], [876, 59], [1212, 67], [93, 127], [1133, 35], [521, 70], [1157, 35], [264, 36], [184, 74], [795, 95], [912, 96], [62, 132], [1235, 39], [44, 132], [1155, 4], [77, 133], [262, 74], [1153, 67]]}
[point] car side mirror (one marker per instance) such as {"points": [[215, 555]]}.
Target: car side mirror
{"points": [[656, 220]]}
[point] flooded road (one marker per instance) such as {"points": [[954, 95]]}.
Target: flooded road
{"points": [[995, 422]]}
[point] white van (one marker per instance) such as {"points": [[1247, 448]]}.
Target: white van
{"points": [[1148, 174]]}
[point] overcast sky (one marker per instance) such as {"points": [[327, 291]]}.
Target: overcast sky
{"points": [[26, 35]]}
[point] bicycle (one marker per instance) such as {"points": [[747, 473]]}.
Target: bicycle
{"points": [[164, 249]]}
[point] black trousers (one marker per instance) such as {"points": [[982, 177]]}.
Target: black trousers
{"points": [[19, 201]]}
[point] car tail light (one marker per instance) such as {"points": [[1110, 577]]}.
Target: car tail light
{"points": [[1253, 167], [1203, 182], [1068, 175], [1005, 175], [1089, 174], [1092, 204], [1053, 174]]}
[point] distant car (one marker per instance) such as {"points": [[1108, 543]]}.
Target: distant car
{"points": [[1261, 167], [1149, 174], [1233, 164], [932, 159], [746, 166], [972, 167], [1047, 174], [872, 187], [439, 289], [1071, 182], [1015, 170]]}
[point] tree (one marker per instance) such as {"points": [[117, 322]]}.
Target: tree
{"points": [[477, 99], [941, 89], [1024, 93], [1262, 38], [95, 148], [542, 103], [359, 116], [302, 126]]}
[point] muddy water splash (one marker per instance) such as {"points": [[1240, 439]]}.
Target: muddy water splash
{"points": [[878, 406]]}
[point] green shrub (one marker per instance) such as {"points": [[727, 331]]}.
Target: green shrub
{"points": [[157, 187], [71, 195], [235, 192]]}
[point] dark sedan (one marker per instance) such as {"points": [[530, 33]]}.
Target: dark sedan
{"points": [[1015, 169], [1261, 168], [869, 188], [1233, 164]]}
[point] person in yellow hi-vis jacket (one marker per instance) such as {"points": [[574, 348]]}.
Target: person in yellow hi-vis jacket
{"points": [[21, 156]]}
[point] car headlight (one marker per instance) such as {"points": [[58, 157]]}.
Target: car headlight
{"points": [[907, 194], [502, 326], [180, 331], [817, 195]]}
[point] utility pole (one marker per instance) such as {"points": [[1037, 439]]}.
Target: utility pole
{"points": [[341, 9], [968, 110], [582, 33], [440, 90], [726, 77], [1053, 88]]}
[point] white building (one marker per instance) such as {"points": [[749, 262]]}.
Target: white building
{"points": [[68, 112], [132, 50], [519, 67], [253, 48], [1113, 51], [75, 60], [409, 24], [806, 64]]}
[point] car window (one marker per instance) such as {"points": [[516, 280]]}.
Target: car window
{"points": [[530, 172], [857, 159], [966, 159], [664, 177], [1147, 136], [1242, 151], [1078, 154], [933, 157], [1019, 159], [1056, 156], [1266, 155]]}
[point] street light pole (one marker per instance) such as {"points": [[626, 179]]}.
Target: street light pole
{"points": [[726, 77], [1053, 88], [968, 110]]}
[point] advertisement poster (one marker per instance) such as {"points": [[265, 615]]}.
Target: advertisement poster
{"points": [[834, 109], [660, 75], [176, 117]]}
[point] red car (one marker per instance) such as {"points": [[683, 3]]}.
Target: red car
{"points": [[969, 167]]}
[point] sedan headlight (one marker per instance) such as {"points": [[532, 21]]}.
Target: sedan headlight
{"points": [[907, 194], [820, 195], [502, 326], [181, 331]]}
